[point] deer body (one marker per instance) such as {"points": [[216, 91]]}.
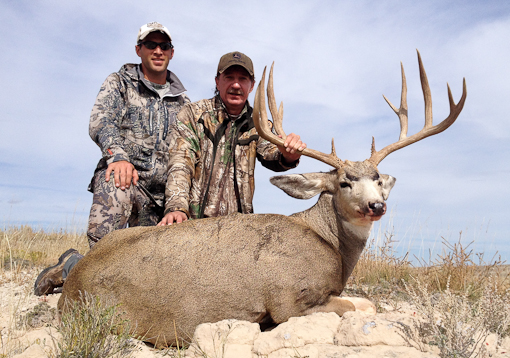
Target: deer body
{"points": [[258, 267]]}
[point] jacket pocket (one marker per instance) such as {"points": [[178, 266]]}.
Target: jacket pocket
{"points": [[139, 154], [133, 123]]}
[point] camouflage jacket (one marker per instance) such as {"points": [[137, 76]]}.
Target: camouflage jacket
{"points": [[131, 121], [212, 161]]}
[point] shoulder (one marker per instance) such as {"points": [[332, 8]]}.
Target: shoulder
{"points": [[126, 74], [192, 112], [199, 107]]}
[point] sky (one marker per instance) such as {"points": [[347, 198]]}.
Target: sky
{"points": [[333, 62]]}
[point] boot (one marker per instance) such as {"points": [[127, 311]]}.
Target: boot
{"points": [[51, 277]]}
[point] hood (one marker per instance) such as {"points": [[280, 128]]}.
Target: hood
{"points": [[134, 73]]}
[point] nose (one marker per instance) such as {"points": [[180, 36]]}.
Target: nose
{"points": [[378, 208], [158, 50]]}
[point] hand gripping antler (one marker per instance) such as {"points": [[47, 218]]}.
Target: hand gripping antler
{"points": [[261, 122], [428, 129]]}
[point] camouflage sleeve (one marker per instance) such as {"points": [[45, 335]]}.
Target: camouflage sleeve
{"points": [[105, 118], [270, 156], [184, 149]]}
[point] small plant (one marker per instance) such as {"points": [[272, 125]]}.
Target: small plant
{"points": [[457, 324], [40, 315], [180, 348], [464, 269], [91, 328]]}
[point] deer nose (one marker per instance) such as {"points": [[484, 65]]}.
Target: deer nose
{"points": [[378, 208]]}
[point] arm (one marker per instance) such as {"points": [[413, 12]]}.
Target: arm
{"points": [[184, 151], [104, 129]]}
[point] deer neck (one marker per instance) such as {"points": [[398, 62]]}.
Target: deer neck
{"points": [[329, 223]]}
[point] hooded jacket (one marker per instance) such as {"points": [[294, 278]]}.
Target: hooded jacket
{"points": [[131, 121]]}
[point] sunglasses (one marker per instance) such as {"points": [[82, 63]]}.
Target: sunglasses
{"points": [[151, 45]]}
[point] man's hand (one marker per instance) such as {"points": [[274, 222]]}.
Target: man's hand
{"points": [[175, 216], [124, 173], [292, 148]]}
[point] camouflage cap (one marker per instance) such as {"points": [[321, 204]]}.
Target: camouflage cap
{"points": [[235, 59], [151, 27]]}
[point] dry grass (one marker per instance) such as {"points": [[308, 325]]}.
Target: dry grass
{"points": [[23, 252], [460, 297], [455, 323], [455, 291], [22, 246], [458, 267], [87, 329]]}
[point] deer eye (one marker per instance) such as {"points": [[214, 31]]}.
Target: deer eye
{"points": [[345, 185]]}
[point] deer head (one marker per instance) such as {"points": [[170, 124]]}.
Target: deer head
{"points": [[360, 189]]}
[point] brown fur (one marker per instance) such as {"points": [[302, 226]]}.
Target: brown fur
{"points": [[257, 267]]}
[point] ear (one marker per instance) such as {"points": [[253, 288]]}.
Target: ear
{"points": [[305, 186], [388, 182], [138, 49]]}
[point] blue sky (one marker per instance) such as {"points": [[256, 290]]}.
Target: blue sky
{"points": [[333, 62]]}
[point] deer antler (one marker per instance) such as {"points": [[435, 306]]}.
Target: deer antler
{"points": [[261, 122], [427, 130]]}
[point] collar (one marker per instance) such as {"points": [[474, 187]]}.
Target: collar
{"points": [[135, 72], [247, 110]]}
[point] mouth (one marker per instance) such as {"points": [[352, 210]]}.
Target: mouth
{"points": [[375, 217], [369, 216], [158, 61], [235, 93]]}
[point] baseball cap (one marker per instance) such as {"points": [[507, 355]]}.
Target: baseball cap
{"points": [[151, 27], [235, 59]]}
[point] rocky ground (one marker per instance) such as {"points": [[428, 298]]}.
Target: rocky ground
{"points": [[28, 327]]}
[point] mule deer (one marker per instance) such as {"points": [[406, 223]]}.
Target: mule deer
{"points": [[257, 267]]}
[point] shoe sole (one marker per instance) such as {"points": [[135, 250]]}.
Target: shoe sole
{"points": [[42, 275]]}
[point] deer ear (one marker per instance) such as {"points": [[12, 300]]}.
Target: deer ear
{"points": [[305, 186], [388, 182]]}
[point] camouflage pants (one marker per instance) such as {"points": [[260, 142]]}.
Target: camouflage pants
{"points": [[113, 208]]}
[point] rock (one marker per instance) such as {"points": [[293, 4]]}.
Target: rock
{"points": [[317, 328], [313, 336], [357, 329], [227, 339]]}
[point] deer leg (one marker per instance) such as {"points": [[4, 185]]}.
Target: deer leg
{"points": [[335, 304], [362, 305]]}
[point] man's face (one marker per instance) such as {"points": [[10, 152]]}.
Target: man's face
{"points": [[155, 61], [234, 85]]}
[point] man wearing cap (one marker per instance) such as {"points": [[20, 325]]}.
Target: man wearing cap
{"points": [[213, 147], [130, 122]]}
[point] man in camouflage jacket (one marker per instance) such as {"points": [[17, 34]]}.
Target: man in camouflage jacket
{"points": [[130, 122], [214, 146]]}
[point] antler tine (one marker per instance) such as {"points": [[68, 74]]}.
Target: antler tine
{"points": [[402, 111], [428, 129], [427, 95], [261, 124], [271, 102], [260, 115]]}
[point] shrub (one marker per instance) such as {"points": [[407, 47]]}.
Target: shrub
{"points": [[91, 328]]}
